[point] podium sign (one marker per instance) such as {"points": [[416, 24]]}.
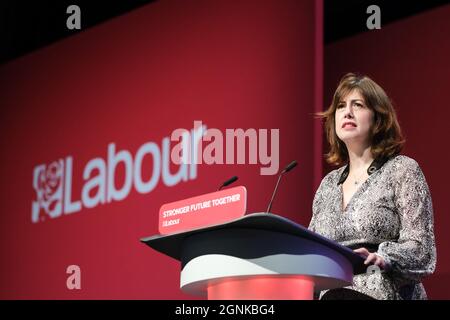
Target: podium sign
{"points": [[202, 211]]}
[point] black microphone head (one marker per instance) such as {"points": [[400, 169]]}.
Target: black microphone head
{"points": [[230, 181], [290, 166]]}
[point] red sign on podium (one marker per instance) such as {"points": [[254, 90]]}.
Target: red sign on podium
{"points": [[201, 211]]}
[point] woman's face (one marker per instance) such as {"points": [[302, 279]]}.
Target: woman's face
{"points": [[353, 119]]}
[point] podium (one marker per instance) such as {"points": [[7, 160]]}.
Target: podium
{"points": [[258, 256]]}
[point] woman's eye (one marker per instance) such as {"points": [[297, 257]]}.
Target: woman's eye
{"points": [[359, 105], [340, 106]]}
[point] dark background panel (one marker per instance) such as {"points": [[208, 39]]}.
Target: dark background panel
{"points": [[29, 25]]}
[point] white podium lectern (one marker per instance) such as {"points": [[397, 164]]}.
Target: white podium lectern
{"points": [[258, 256]]}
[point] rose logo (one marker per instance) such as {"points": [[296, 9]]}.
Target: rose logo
{"points": [[47, 182]]}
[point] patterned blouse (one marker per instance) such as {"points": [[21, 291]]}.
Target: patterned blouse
{"points": [[391, 214]]}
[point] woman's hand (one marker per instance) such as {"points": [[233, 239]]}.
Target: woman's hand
{"points": [[371, 257]]}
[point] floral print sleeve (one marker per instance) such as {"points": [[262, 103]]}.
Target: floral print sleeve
{"points": [[413, 254]]}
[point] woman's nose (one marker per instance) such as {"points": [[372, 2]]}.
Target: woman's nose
{"points": [[348, 111]]}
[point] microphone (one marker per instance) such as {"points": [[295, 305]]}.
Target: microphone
{"points": [[288, 168], [228, 182]]}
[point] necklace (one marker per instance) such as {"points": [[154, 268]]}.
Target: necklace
{"points": [[357, 180]]}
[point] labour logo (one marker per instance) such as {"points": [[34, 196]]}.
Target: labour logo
{"points": [[48, 185]]}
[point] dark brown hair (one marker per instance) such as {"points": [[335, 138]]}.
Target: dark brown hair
{"points": [[385, 135]]}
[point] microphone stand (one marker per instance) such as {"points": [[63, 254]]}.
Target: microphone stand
{"points": [[289, 167]]}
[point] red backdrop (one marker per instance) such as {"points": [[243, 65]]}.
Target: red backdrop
{"points": [[409, 59], [132, 80]]}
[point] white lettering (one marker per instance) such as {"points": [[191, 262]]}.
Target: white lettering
{"points": [[113, 159], [53, 183], [74, 280], [95, 182], [69, 206], [147, 148]]}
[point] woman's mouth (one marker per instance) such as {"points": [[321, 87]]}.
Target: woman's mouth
{"points": [[349, 124]]}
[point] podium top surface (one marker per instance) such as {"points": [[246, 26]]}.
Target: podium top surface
{"points": [[171, 244]]}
